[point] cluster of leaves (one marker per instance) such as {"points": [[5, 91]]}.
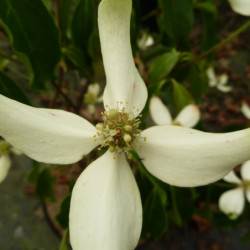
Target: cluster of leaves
{"points": [[51, 48]]}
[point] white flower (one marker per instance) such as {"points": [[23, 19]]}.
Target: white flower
{"points": [[245, 109], [188, 116], [218, 81], [91, 97], [106, 210], [232, 202], [4, 159], [5, 162], [145, 41], [241, 6]]}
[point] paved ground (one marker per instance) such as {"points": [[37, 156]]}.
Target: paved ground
{"points": [[22, 223]]}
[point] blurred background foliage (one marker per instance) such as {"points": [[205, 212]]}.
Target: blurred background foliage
{"points": [[50, 54]]}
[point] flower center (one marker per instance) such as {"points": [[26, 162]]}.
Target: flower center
{"points": [[245, 184], [118, 130]]}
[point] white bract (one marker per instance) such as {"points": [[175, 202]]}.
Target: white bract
{"points": [[106, 210], [245, 109], [145, 41], [188, 116], [218, 81], [5, 162], [241, 6], [232, 202], [91, 97]]}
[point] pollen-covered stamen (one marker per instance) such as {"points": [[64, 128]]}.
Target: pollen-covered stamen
{"points": [[176, 123], [118, 130]]}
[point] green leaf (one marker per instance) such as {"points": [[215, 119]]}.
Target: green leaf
{"points": [[78, 58], [9, 88], [154, 213], [181, 96], [34, 35], [209, 39], [198, 85], [34, 173], [63, 216], [178, 18], [64, 8], [45, 185], [83, 22], [162, 65]]}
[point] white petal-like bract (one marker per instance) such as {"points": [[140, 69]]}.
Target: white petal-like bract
{"points": [[189, 116], [159, 112], [231, 177], [187, 157], [124, 84], [245, 109], [46, 135], [211, 77], [94, 88], [245, 171], [241, 6], [4, 166], [232, 202], [105, 210]]}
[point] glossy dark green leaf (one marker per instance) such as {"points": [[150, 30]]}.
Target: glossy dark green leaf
{"points": [[181, 96], [178, 18], [154, 213], [10, 88], [34, 172], [45, 185], [209, 38], [162, 65], [78, 58], [63, 216], [64, 8], [198, 85], [83, 22], [34, 35]]}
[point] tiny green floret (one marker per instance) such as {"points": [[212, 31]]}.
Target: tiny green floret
{"points": [[118, 130]]}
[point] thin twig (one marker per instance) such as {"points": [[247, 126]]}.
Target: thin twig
{"points": [[217, 46]]}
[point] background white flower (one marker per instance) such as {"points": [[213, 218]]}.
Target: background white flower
{"points": [[220, 82], [241, 6], [188, 116], [91, 97], [232, 202], [145, 41], [245, 109], [5, 162]]}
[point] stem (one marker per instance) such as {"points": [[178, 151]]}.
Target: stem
{"points": [[63, 244], [64, 95], [178, 219], [217, 46], [58, 88], [150, 14]]}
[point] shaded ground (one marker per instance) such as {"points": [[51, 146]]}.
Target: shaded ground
{"points": [[23, 224]]}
